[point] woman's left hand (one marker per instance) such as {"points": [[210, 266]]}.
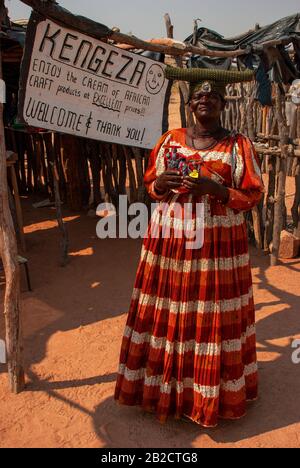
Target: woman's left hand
{"points": [[206, 186], [199, 187]]}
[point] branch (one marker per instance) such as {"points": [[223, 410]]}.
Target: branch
{"points": [[53, 11]]}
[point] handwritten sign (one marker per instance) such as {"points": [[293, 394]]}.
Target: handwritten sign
{"points": [[2, 352], [72, 83]]}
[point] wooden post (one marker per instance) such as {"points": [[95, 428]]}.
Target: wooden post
{"points": [[269, 223], [108, 172], [296, 205], [9, 254], [250, 123], [256, 212], [115, 168], [132, 179], [280, 196], [50, 148], [18, 206], [122, 170], [61, 224], [141, 191], [93, 153], [74, 160], [169, 26], [187, 119], [243, 109], [256, 216]]}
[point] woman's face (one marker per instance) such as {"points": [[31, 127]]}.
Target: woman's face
{"points": [[208, 106]]}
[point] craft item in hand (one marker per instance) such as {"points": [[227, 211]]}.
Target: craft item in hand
{"points": [[186, 165]]}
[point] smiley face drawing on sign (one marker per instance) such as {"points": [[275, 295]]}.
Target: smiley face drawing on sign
{"points": [[155, 79]]}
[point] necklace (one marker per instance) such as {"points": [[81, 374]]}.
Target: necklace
{"points": [[212, 135], [211, 145]]}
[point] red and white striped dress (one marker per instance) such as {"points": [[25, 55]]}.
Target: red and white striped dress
{"points": [[189, 347]]}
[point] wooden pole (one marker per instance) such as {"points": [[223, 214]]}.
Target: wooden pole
{"points": [[290, 151], [264, 137], [280, 196], [250, 122], [170, 32], [270, 200], [9, 254], [50, 148], [169, 26], [95, 165], [137, 153], [122, 170], [61, 224], [18, 207], [296, 205], [187, 118], [256, 216], [132, 179]]}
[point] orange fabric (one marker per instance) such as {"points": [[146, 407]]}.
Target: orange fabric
{"points": [[189, 346], [250, 191], [242, 198], [151, 175]]}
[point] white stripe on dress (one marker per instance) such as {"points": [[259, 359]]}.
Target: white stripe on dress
{"points": [[200, 349], [192, 266], [200, 307], [223, 156], [162, 218], [205, 391]]}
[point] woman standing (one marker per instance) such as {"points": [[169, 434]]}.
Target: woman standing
{"points": [[189, 347]]}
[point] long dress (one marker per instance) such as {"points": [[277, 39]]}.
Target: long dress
{"points": [[189, 346]]}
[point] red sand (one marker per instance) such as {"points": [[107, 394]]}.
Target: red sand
{"points": [[73, 325]]}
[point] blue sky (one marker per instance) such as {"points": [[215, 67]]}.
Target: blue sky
{"points": [[145, 17]]}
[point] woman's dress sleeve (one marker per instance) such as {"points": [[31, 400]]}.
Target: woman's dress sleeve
{"points": [[248, 188], [156, 167]]}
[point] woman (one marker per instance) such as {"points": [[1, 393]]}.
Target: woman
{"points": [[189, 347]]}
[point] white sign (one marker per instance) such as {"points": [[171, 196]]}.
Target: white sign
{"points": [[72, 83], [2, 352]]}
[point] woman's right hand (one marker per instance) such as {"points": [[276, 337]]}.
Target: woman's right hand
{"points": [[169, 180]]}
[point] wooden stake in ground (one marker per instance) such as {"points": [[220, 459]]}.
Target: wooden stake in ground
{"points": [[187, 119], [9, 254], [50, 148], [280, 196]]}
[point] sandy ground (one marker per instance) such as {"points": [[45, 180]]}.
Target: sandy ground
{"points": [[73, 325]]}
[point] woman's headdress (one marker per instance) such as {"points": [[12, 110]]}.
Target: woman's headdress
{"points": [[208, 80]]}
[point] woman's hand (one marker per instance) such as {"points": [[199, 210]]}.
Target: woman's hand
{"points": [[205, 186], [169, 180]]}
